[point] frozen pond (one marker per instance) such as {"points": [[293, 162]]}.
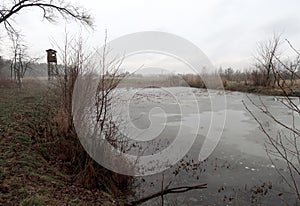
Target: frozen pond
{"points": [[238, 171]]}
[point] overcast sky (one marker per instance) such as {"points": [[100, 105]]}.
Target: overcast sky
{"points": [[227, 31]]}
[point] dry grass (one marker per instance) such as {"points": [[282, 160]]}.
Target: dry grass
{"points": [[39, 157], [277, 91]]}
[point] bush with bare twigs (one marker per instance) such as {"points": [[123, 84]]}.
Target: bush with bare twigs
{"points": [[285, 143]]}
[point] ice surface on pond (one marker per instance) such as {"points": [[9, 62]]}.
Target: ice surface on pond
{"points": [[242, 145]]}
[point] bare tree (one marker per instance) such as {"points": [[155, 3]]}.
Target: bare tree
{"points": [[20, 62], [1, 66], [265, 61], [285, 144], [228, 73], [246, 76], [94, 78]]}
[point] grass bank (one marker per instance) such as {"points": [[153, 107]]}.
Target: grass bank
{"points": [[30, 172], [272, 91]]}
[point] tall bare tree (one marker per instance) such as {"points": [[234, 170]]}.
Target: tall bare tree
{"points": [[20, 62], [266, 53], [285, 144]]}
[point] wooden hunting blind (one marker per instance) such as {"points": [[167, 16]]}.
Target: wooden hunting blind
{"points": [[52, 63], [51, 56]]}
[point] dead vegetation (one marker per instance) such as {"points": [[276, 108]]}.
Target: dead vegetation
{"points": [[86, 171], [31, 172], [284, 145], [56, 168]]}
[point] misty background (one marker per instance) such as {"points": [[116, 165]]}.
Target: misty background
{"points": [[227, 31]]}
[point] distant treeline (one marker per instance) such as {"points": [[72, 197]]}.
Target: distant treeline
{"points": [[35, 69], [262, 75]]}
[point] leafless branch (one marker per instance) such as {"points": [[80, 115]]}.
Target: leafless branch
{"points": [[51, 9], [173, 190]]}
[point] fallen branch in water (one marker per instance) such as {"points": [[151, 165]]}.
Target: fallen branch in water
{"points": [[181, 189]]}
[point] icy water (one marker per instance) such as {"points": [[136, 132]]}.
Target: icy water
{"points": [[238, 172]]}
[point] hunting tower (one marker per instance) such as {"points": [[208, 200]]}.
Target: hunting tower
{"points": [[52, 63]]}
